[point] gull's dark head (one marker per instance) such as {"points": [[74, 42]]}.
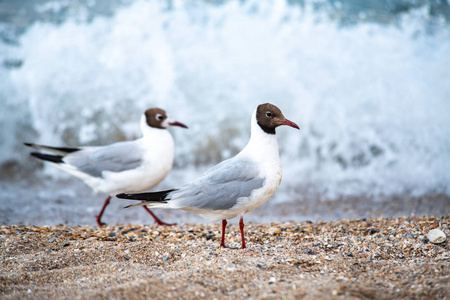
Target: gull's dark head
{"points": [[269, 117], [158, 118]]}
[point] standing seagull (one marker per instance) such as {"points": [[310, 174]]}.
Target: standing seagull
{"points": [[131, 166], [235, 186]]}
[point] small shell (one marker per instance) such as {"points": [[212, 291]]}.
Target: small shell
{"points": [[436, 236]]}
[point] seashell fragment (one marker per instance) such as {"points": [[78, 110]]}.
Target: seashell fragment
{"points": [[436, 236]]}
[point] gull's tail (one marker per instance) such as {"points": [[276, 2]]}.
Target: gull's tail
{"points": [[147, 198]]}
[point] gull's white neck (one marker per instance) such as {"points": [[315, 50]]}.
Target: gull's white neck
{"points": [[151, 132], [262, 147], [159, 139]]}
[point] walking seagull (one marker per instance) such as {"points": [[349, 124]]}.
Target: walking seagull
{"points": [[130, 166], [235, 186]]}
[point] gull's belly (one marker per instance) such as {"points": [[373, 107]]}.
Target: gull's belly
{"points": [[260, 196]]}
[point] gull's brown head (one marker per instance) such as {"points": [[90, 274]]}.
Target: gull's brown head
{"points": [[269, 117], [157, 118]]}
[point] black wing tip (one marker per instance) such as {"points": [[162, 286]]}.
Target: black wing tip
{"points": [[140, 196], [151, 196], [123, 196], [52, 158], [67, 150]]}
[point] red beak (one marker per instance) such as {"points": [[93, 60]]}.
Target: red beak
{"points": [[289, 123], [177, 124]]}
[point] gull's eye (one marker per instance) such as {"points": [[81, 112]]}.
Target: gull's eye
{"points": [[268, 114], [159, 117]]}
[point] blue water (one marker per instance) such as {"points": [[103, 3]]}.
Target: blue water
{"points": [[367, 81]]}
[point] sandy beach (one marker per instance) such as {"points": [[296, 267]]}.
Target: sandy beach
{"points": [[382, 258]]}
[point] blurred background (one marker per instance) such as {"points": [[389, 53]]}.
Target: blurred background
{"points": [[368, 82]]}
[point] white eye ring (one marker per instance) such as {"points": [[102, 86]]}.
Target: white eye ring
{"points": [[268, 114], [159, 117]]}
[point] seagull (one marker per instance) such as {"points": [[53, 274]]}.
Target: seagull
{"points": [[234, 186], [129, 166]]}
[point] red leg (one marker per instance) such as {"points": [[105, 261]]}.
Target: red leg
{"points": [[224, 225], [157, 220], [98, 218], [241, 226]]}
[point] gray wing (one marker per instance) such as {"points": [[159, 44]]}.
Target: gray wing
{"points": [[221, 186], [116, 157]]}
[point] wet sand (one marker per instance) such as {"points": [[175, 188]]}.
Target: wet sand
{"points": [[69, 201], [378, 258]]}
